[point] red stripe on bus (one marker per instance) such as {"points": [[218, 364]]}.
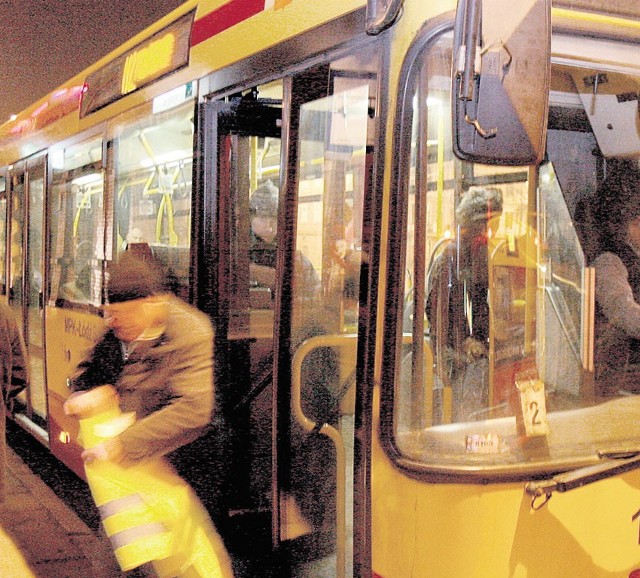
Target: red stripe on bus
{"points": [[232, 13]]}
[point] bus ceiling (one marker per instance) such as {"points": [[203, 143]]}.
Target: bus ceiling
{"points": [[501, 82], [595, 85], [611, 102]]}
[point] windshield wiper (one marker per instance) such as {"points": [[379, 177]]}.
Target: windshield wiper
{"points": [[617, 462]]}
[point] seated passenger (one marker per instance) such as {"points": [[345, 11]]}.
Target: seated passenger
{"points": [[617, 337], [458, 303]]}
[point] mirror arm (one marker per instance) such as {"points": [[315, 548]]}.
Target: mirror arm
{"points": [[381, 16], [468, 50], [468, 68], [485, 134], [501, 75]]}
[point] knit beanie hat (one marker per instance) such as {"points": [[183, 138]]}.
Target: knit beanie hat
{"points": [[133, 278], [478, 204], [264, 200]]}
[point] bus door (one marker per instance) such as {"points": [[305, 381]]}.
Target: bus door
{"points": [[331, 135], [26, 278], [237, 236], [286, 252]]}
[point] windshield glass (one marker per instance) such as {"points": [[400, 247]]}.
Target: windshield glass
{"points": [[499, 366]]}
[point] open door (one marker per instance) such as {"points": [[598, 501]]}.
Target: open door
{"points": [[235, 285]]}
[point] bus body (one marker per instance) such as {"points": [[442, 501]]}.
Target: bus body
{"points": [[354, 433]]}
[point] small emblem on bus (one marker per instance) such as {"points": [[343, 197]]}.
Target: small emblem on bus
{"points": [[483, 443]]}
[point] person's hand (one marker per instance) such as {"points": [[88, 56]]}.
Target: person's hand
{"points": [[262, 275], [474, 349], [111, 450]]}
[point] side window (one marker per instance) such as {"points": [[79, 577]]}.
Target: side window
{"points": [[77, 224], [152, 189]]}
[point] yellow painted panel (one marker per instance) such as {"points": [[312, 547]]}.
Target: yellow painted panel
{"points": [[422, 530]]}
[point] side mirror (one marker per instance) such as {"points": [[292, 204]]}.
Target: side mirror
{"points": [[501, 77]]}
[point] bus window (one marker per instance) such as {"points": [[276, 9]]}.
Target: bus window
{"points": [[77, 223], [495, 351], [153, 164]]}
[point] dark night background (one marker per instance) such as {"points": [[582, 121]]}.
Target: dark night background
{"points": [[44, 42]]}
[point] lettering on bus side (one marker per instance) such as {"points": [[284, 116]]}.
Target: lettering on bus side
{"points": [[80, 329]]}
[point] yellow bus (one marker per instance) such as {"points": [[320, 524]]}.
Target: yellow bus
{"points": [[396, 396]]}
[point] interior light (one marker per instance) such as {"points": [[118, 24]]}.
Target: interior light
{"points": [[57, 159], [87, 179]]}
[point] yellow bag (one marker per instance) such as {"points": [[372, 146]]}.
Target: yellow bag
{"points": [[149, 512]]}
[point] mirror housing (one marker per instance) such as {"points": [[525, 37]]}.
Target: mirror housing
{"points": [[501, 77]]}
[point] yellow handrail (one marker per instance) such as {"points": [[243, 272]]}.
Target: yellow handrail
{"points": [[343, 341]]}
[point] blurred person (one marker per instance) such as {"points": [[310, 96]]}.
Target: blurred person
{"points": [[458, 301], [14, 365], [157, 353], [617, 336]]}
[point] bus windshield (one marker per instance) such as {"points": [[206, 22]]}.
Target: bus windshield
{"points": [[495, 365]]}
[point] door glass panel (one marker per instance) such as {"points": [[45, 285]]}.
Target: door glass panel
{"points": [[17, 239], [248, 141], [16, 215], [317, 499]]}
